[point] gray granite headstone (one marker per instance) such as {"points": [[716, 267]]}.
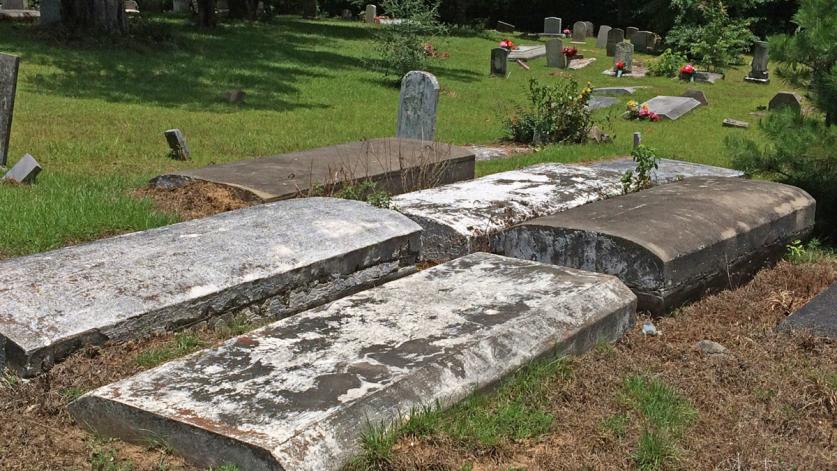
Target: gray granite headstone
{"points": [[504, 27], [579, 31], [614, 36], [601, 39], [591, 30], [177, 144], [786, 100], [630, 31], [758, 68], [8, 84], [624, 52], [371, 13], [24, 171], [553, 53], [417, 106], [671, 107], [552, 25], [499, 61], [14, 5], [639, 41]]}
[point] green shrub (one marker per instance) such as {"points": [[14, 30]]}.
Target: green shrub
{"points": [[705, 32], [646, 162], [403, 45], [556, 114], [667, 64]]}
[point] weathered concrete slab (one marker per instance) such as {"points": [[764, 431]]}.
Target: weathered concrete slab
{"points": [[381, 160], [528, 53], [818, 317], [472, 216], [297, 394], [673, 243], [599, 102], [671, 107], [578, 64], [616, 90], [267, 261], [669, 170]]}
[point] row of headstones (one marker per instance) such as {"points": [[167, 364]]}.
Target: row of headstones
{"points": [[643, 41]]}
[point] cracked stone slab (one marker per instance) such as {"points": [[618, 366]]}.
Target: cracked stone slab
{"points": [[818, 317], [671, 107], [471, 216], [297, 394], [267, 261], [669, 170], [673, 243], [528, 52], [393, 163]]}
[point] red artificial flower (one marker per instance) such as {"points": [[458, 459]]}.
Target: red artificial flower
{"points": [[687, 69], [620, 65], [507, 44], [570, 52]]}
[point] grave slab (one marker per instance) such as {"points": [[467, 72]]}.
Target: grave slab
{"points": [[297, 394], [380, 160], [577, 64], [527, 53], [616, 90], [671, 107], [600, 102], [267, 261], [673, 243], [818, 317], [669, 170], [472, 216]]}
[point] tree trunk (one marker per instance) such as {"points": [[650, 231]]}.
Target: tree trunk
{"points": [[101, 15], [206, 13], [309, 8]]}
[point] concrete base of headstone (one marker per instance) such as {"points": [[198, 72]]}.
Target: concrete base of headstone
{"points": [[299, 393], [669, 170], [673, 243], [671, 107], [268, 261], [392, 163], [527, 53], [818, 317], [468, 217], [763, 81]]}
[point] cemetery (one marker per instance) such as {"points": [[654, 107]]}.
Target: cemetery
{"points": [[260, 236]]}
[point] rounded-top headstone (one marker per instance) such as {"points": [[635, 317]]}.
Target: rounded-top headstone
{"points": [[417, 106], [553, 53], [579, 31], [601, 39], [614, 36], [552, 25], [591, 30], [624, 52], [786, 100]]}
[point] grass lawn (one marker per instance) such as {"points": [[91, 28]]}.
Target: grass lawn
{"points": [[94, 116]]}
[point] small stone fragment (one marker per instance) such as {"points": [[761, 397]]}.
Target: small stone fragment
{"points": [[711, 348], [734, 123]]}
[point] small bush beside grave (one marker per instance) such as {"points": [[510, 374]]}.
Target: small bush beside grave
{"points": [[403, 43], [667, 64], [555, 114]]}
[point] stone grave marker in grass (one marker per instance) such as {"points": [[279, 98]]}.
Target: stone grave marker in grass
{"points": [[8, 85], [624, 52], [579, 32], [697, 95], [178, 147], [601, 39], [591, 30], [600, 102], [552, 26], [417, 106], [616, 90], [299, 394], [581, 63], [528, 52], [758, 67], [734, 123], [614, 37], [630, 31], [500, 62], [24, 171], [790, 100], [371, 13], [671, 107], [554, 54]]}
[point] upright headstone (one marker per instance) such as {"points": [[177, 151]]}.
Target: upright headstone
{"points": [[553, 53], [14, 5], [579, 31], [504, 27], [591, 30], [758, 68], [624, 52], [614, 36], [630, 31], [552, 25], [24, 171], [177, 144], [371, 13], [786, 100], [637, 139], [8, 85], [499, 61], [601, 39], [638, 40], [417, 106]]}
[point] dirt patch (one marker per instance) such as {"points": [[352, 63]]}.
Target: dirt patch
{"points": [[769, 403], [197, 199]]}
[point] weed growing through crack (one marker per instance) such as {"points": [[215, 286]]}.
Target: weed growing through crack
{"points": [[182, 344]]}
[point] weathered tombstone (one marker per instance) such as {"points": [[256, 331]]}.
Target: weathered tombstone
{"points": [[734, 123], [624, 52], [8, 85], [591, 30], [697, 95], [579, 31], [639, 40], [177, 144], [614, 36], [630, 31], [637, 139], [758, 68], [553, 53], [552, 26], [504, 27], [24, 171], [601, 39], [499, 61], [14, 5], [371, 13], [417, 106], [786, 99]]}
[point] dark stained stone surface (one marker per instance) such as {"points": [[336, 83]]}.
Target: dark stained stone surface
{"points": [[818, 317], [298, 394], [291, 175], [673, 243]]}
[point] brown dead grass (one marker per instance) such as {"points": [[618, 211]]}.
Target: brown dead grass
{"points": [[764, 406], [197, 199]]}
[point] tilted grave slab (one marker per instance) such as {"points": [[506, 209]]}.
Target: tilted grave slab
{"points": [[818, 317], [671, 107], [467, 217], [299, 393], [266, 261], [673, 243], [669, 170], [616, 90], [392, 163], [527, 53]]}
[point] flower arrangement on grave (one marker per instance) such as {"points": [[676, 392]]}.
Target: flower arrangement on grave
{"points": [[508, 44], [635, 111], [687, 72], [619, 68], [570, 52], [567, 32]]}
